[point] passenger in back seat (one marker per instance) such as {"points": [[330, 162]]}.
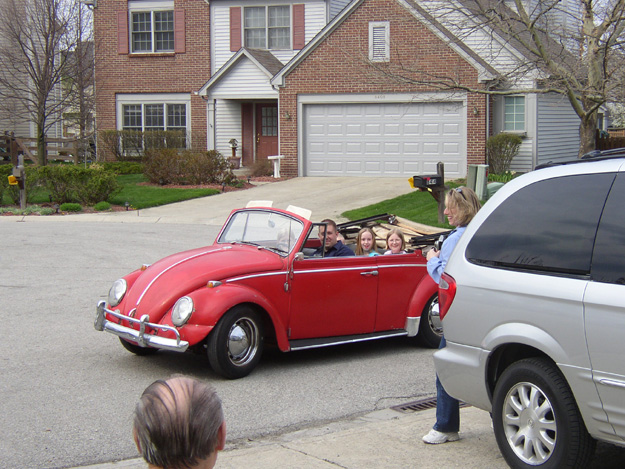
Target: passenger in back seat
{"points": [[365, 243]]}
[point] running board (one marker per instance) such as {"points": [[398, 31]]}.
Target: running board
{"points": [[303, 344]]}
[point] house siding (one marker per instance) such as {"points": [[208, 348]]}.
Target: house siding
{"points": [[315, 20], [245, 80], [338, 65], [229, 115], [151, 73], [558, 129], [336, 6]]}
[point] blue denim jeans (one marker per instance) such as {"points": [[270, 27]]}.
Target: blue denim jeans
{"points": [[447, 408]]}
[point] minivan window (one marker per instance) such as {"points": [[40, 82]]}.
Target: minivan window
{"points": [[548, 226], [608, 262]]}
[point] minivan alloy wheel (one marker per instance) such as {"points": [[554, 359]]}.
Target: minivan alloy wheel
{"points": [[536, 420]]}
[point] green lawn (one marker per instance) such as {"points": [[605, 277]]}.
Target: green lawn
{"points": [[416, 206], [137, 196], [150, 196]]}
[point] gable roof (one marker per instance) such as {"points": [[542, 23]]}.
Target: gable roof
{"points": [[263, 59], [485, 71]]}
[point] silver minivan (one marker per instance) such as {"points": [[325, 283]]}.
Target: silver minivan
{"points": [[532, 303]]}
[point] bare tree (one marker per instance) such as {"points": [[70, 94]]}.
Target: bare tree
{"points": [[78, 84], [32, 35], [570, 47]]}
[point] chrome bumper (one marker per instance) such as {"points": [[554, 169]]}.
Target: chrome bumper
{"points": [[139, 336]]}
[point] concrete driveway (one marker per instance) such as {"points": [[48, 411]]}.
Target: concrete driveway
{"points": [[326, 197]]}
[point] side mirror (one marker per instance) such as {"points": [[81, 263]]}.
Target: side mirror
{"points": [[298, 256]]}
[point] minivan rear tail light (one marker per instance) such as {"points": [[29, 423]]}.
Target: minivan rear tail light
{"points": [[446, 294]]}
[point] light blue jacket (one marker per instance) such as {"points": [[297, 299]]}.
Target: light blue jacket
{"points": [[436, 265]]}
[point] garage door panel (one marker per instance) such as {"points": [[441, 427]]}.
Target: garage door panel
{"points": [[392, 139]]}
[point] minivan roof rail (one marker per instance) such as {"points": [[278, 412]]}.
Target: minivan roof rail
{"points": [[595, 155]]}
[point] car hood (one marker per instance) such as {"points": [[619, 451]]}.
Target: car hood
{"points": [[157, 289]]}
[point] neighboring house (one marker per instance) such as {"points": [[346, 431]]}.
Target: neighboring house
{"points": [[309, 80]]}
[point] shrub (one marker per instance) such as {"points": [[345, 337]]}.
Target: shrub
{"points": [[102, 206], [262, 168], [169, 166], [504, 177], [162, 166], [77, 184], [208, 167], [70, 207], [500, 150]]}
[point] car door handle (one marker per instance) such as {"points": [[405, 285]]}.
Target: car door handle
{"points": [[369, 274]]}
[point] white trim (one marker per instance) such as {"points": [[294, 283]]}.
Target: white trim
{"points": [[375, 27], [153, 98], [151, 5]]}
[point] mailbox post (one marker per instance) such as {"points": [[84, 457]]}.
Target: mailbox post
{"points": [[435, 185], [17, 178]]}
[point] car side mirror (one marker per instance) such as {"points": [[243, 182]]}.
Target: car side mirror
{"points": [[298, 256]]}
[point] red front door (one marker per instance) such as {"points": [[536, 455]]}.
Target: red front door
{"points": [[266, 130]]}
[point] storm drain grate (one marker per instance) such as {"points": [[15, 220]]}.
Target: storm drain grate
{"points": [[423, 404]]}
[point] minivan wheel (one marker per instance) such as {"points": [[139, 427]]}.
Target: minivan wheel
{"points": [[536, 420], [430, 327], [235, 345]]}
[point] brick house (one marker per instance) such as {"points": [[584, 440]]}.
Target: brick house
{"points": [[316, 83]]}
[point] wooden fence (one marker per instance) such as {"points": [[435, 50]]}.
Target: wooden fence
{"points": [[605, 141], [65, 149]]}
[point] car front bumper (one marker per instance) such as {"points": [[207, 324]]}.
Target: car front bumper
{"points": [[138, 336]]}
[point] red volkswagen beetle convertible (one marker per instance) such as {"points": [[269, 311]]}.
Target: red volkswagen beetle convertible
{"points": [[260, 282]]}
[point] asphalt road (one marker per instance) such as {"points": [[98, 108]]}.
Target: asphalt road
{"points": [[67, 391]]}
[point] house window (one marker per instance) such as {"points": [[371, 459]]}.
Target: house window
{"points": [[379, 38], [514, 114], [155, 118], [269, 121], [152, 31], [267, 27]]}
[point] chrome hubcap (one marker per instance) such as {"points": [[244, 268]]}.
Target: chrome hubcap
{"points": [[529, 423], [242, 341], [434, 318]]}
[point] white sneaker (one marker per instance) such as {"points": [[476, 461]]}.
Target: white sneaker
{"points": [[435, 437]]}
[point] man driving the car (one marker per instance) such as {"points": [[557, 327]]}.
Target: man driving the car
{"points": [[333, 246]]}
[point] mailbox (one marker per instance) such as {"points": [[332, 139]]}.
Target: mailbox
{"points": [[427, 182]]}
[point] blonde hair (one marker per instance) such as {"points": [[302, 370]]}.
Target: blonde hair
{"points": [[465, 201], [359, 250], [399, 233]]}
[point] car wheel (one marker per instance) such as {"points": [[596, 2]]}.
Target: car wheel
{"points": [[236, 343], [430, 326], [536, 420], [136, 349]]}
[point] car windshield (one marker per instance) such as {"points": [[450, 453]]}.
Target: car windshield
{"points": [[271, 230]]}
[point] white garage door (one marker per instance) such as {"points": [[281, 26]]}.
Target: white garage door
{"points": [[384, 139]]}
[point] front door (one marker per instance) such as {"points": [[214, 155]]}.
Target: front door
{"points": [[266, 130]]}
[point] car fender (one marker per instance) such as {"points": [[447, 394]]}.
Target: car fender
{"points": [[421, 295], [525, 334], [212, 303]]}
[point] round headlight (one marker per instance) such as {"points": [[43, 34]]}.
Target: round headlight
{"points": [[182, 311], [117, 292]]}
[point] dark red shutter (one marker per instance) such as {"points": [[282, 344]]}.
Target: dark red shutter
{"points": [[235, 29], [179, 32], [299, 30], [122, 32]]}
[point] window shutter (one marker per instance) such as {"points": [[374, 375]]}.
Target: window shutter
{"points": [[122, 32], [235, 29], [179, 32], [299, 28]]}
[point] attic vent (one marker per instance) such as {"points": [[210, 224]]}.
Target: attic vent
{"points": [[379, 37]]}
